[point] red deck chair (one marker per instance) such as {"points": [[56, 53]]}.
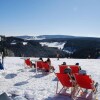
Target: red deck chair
{"points": [[84, 82], [62, 68], [66, 83], [28, 63], [45, 66], [74, 68], [39, 64]]}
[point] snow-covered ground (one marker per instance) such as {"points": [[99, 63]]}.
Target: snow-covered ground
{"points": [[26, 85], [59, 45]]}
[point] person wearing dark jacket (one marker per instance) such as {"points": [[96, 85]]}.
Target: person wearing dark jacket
{"points": [[64, 63], [41, 59], [49, 63], [78, 65], [68, 71]]}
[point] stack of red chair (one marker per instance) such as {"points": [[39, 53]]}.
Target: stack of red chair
{"points": [[79, 86]]}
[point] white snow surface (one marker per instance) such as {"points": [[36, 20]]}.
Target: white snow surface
{"points": [[26, 85], [59, 45]]}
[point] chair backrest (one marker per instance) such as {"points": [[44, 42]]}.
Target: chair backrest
{"points": [[64, 79], [39, 64], [46, 66], [74, 68], [84, 81], [28, 62], [62, 68]]}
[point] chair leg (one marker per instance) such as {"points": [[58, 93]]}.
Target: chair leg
{"points": [[57, 88], [73, 90], [77, 92], [61, 90]]}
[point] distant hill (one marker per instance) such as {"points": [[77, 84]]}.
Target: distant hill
{"points": [[41, 37], [55, 36], [26, 37], [50, 37], [78, 47], [83, 47]]}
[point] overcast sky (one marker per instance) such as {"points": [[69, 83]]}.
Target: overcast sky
{"points": [[42, 17]]}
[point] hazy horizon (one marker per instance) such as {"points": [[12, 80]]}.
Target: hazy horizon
{"points": [[7, 35]]}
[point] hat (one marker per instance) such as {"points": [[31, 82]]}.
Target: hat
{"points": [[77, 64], [67, 70], [83, 72], [64, 63]]}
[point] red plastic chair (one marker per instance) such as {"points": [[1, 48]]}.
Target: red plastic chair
{"points": [[28, 63], [66, 82], [62, 68], [84, 82], [74, 68]]}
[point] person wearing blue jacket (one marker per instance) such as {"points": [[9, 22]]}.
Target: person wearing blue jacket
{"points": [[1, 66]]}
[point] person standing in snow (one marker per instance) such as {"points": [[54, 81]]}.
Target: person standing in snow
{"points": [[58, 56], [1, 66]]}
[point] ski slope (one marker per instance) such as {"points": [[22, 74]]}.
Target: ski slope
{"points": [[24, 84]]}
